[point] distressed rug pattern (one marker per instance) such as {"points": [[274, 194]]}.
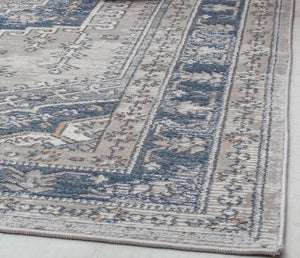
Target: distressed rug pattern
{"points": [[155, 123]]}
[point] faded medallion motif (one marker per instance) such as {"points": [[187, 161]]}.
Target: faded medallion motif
{"points": [[159, 123]]}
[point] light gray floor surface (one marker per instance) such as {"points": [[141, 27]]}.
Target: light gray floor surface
{"points": [[16, 246]]}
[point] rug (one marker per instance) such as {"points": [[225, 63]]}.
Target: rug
{"points": [[149, 122]]}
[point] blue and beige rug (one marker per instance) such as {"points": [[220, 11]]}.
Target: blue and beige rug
{"points": [[148, 122]]}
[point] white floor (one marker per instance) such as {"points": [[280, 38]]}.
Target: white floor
{"points": [[15, 246]]}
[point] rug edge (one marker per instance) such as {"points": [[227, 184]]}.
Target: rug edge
{"points": [[283, 212], [275, 250]]}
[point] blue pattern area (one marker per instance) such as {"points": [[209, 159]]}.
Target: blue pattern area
{"points": [[199, 93], [20, 15], [56, 115]]}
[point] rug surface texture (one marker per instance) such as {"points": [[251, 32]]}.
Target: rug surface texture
{"points": [[157, 123]]}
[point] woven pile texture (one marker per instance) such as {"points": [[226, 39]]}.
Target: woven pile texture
{"points": [[155, 123]]}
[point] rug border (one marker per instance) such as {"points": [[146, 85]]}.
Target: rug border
{"points": [[288, 17], [283, 212]]}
